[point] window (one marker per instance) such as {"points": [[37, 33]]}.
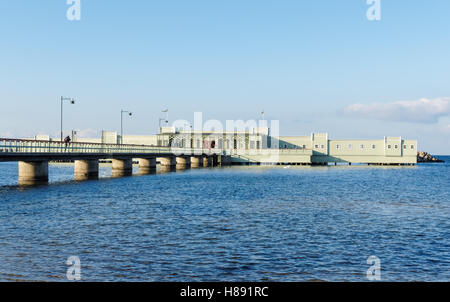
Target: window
{"points": [[304, 146], [404, 147], [338, 146], [362, 146], [252, 145], [322, 147], [389, 146], [374, 146], [316, 146], [412, 147], [350, 146], [396, 146]]}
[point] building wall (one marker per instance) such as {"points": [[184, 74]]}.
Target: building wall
{"points": [[140, 140], [241, 146], [356, 147], [295, 142], [393, 146], [109, 137], [319, 143], [364, 159], [89, 140], [390, 150], [42, 137], [410, 148], [271, 156], [222, 141]]}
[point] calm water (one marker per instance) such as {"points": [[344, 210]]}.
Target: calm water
{"points": [[231, 224]]}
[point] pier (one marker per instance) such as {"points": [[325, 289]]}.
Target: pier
{"points": [[33, 158], [175, 152]]}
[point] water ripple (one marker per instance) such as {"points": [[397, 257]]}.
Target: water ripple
{"points": [[235, 224]]}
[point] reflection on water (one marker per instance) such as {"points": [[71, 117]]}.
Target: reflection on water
{"points": [[230, 224]]}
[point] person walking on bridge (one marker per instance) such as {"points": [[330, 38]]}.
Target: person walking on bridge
{"points": [[67, 141]]}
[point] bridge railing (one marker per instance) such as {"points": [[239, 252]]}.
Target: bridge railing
{"points": [[55, 147]]}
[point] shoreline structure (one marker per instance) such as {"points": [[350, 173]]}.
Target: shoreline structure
{"points": [[257, 146], [181, 150]]}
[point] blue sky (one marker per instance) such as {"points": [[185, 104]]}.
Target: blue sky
{"points": [[317, 66]]}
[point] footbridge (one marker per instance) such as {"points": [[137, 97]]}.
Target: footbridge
{"points": [[34, 156]]}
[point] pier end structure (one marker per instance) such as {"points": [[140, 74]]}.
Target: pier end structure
{"points": [[257, 146]]}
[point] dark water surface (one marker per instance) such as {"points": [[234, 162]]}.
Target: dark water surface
{"points": [[230, 224]]}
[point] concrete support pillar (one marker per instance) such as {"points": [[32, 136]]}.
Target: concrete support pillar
{"points": [[33, 173], [207, 161], [183, 162], [86, 169], [147, 165], [167, 161], [122, 167], [196, 162]]}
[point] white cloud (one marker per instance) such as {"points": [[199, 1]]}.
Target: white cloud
{"points": [[419, 111]]}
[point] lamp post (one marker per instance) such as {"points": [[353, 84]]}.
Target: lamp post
{"points": [[72, 101], [121, 123], [167, 116]]}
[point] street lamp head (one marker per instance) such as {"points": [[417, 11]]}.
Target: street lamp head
{"points": [[63, 99]]}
